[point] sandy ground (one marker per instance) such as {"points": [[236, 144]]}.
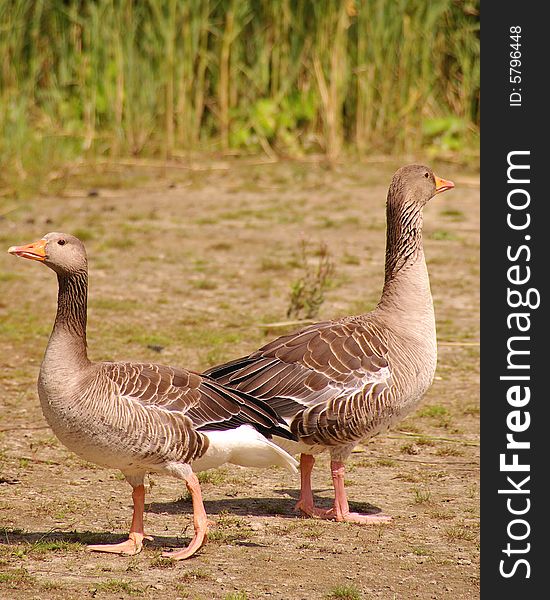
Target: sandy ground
{"points": [[187, 268]]}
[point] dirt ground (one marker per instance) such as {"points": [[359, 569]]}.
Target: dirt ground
{"points": [[192, 266]]}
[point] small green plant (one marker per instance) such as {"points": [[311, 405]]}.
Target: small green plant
{"points": [[118, 586], [449, 451], [418, 551], [16, 577], [344, 592], [471, 409], [423, 441], [204, 284], [438, 413], [433, 411], [45, 546], [161, 563], [213, 476], [421, 496], [409, 448], [195, 574], [307, 293], [460, 532], [236, 596], [312, 530]]}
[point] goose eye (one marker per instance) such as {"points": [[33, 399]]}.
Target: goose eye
{"points": [[426, 175], [61, 242]]}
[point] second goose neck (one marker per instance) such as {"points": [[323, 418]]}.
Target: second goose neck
{"points": [[406, 290], [403, 238]]}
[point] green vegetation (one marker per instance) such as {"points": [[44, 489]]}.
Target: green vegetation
{"points": [[419, 551], [307, 293], [236, 596], [118, 78], [344, 592], [14, 578], [118, 586], [45, 546], [214, 476], [421, 496]]}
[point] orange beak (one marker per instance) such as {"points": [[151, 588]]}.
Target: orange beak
{"points": [[34, 251], [442, 185]]}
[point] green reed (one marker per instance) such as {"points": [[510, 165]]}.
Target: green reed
{"points": [[112, 78]]}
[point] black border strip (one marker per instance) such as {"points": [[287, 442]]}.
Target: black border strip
{"points": [[514, 270]]}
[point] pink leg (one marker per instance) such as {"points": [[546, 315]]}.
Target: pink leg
{"points": [[305, 503], [341, 511], [200, 522], [134, 543]]}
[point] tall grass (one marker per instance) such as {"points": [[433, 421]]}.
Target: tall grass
{"points": [[161, 77]]}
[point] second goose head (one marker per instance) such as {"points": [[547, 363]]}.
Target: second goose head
{"points": [[416, 184]]}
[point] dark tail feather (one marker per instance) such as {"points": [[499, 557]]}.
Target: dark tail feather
{"points": [[253, 412], [222, 372]]}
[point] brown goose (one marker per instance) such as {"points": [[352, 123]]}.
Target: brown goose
{"points": [[138, 417], [339, 382]]}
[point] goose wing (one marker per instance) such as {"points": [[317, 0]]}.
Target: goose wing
{"points": [[318, 376], [206, 403]]}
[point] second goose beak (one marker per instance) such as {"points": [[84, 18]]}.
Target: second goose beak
{"points": [[442, 185]]}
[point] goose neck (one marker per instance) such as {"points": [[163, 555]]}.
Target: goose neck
{"points": [[70, 321], [406, 294], [403, 238]]}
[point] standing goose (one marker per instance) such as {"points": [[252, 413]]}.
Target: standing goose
{"points": [[339, 382], [139, 417]]}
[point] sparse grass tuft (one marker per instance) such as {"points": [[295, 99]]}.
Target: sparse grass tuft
{"points": [[307, 293], [16, 578], [434, 411], [448, 450], [409, 448], [471, 409], [421, 495], [423, 441], [214, 476], [312, 530], [116, 586], [230, 529], [418, 551], [204, 284], [344, 592], [195, 575], [460, 532], [440, 414], [160, 562], [45, 546]]}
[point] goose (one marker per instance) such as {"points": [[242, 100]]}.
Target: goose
{"points": [[340, 382], [141, 417]]}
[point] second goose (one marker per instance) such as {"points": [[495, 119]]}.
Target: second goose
{"points": [[339, 382]]}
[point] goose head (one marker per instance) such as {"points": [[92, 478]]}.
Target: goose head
{"points": [[416, 184], [63, 253]]}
